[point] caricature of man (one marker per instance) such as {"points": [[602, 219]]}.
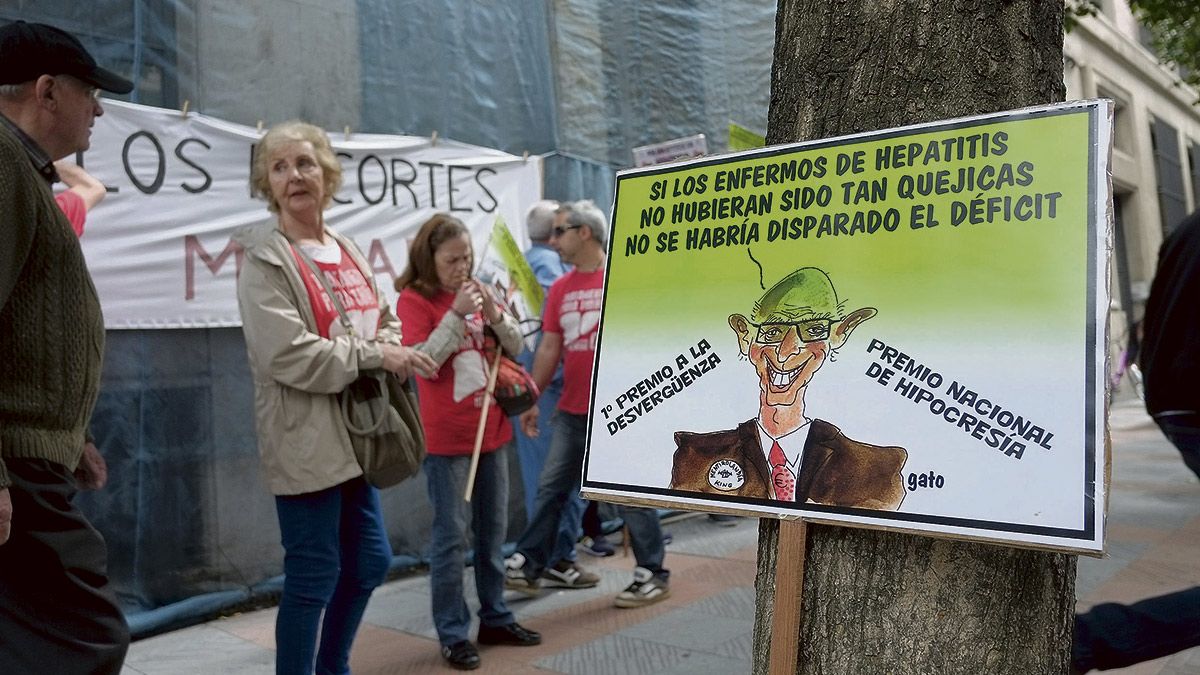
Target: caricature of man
{"points": [[783, 454]]}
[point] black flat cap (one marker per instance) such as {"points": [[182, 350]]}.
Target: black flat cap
{"points": [[30, 50]]}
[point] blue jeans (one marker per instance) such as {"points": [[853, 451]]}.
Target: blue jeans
{"points": [[560, 480], [336, 553], [532, 453], [488, 509]]}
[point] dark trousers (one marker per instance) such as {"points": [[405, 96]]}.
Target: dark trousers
{"points": [[559, 481], [57, 612], [1112, 635]]}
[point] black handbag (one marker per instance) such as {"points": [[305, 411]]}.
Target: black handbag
{"points": [[380, 412]]}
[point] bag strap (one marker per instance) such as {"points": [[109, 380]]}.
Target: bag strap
{"points": [[312, 266], [384, 395]]}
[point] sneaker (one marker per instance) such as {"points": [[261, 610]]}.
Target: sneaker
{"points": [[516, 578], [568, 574], [646, 589], [462, 655], [597, 546], [509, 634]]}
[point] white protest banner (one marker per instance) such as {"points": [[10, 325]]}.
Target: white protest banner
{"points": [[159, 246], [903, 329]]}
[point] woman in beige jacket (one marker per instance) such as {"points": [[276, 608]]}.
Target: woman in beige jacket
{"points": [[301, 356]]}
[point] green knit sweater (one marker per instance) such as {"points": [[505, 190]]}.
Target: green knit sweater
{"points": [[51, 330]]}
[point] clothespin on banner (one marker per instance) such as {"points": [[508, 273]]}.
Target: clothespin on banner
{"points": [[184, 111], [346, 131], [260, 126], [525, 156], [433, 138]]}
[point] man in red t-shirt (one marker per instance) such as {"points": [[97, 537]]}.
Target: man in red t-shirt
{"points": [[570, 325]]}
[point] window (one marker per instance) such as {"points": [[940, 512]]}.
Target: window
{"points": [[1122, 120], [1194, 163], [1171, 199]]}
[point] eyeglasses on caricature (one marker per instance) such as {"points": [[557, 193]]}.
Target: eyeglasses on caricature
{"points": [[773, 332]]}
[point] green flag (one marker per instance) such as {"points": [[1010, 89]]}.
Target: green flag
{"points": [[741, 138], [519, 272]]}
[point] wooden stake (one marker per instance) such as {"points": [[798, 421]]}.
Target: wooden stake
{"points": [[789, 590], [483, 416]]}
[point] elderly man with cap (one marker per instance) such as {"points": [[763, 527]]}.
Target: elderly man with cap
{"points": [[57, 613]]}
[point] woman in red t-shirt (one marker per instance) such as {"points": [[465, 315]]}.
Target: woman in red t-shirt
{"points": [[443, 311]]}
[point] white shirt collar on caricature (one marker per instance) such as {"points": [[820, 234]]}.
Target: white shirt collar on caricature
{"points": [[792, 444]]}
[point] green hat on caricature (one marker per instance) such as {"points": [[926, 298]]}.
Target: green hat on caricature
{"points": [[805, 293]]}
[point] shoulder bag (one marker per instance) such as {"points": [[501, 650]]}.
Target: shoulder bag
{"points": [[515, 390]]}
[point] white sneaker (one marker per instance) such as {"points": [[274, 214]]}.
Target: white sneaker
{"points": [[646, 589], [516, 578], [568, 574]]}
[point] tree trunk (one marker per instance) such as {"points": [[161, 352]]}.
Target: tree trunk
{"points": [[881, 602]]}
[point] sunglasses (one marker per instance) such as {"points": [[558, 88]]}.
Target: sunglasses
{"points": [[559, 230]]}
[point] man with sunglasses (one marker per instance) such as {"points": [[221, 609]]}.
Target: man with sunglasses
{"points": [[570, 329], [782, 454], [57, 611]]}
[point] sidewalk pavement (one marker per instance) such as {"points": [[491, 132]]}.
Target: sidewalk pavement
{"points": [[707, 623]]}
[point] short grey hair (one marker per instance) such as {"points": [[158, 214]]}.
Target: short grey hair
{"points": [[540, 219], [12, 90], [585, 213]]}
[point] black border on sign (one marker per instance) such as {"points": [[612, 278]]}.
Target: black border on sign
{"points": [[1087, 533]]}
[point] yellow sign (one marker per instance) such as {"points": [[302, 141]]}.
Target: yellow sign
{"points": [[901, 329]]}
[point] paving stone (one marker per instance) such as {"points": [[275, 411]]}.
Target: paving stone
{"points": [[199, 650]]}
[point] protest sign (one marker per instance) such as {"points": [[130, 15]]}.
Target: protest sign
{"points": [[902, 329], [160, 245]]}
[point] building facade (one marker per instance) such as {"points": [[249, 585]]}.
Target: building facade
{"points": [[1156, 145]]}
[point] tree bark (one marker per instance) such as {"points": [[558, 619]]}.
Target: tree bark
{"points": [[882, 602]]}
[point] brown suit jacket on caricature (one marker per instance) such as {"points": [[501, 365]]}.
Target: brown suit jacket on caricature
{"points": [[835, 470]]}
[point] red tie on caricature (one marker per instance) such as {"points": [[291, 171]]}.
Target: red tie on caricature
{"points": [[781, 475]]}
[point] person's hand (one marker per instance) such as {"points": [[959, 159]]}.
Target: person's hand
{"points": [[5, 515], [529, 422], [468, 300], [491, 308], [92, 472], [404, 361]]}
